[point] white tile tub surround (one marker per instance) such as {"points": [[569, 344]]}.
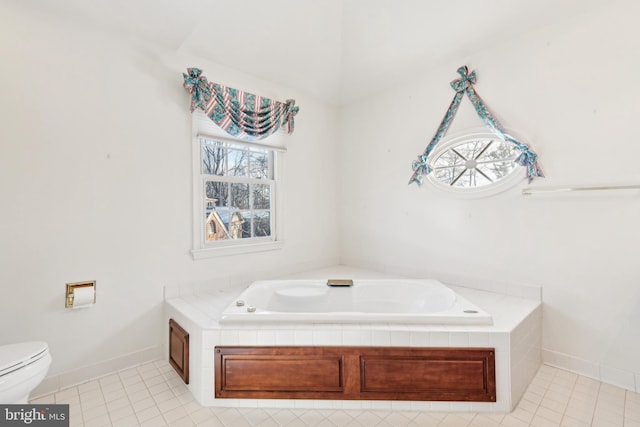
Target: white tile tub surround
{"points": [[515, 334]]}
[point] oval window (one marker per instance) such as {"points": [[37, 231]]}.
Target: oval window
{"points": [[475, 162]]}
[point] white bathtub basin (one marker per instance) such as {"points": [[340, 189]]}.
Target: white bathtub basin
{"points": [[367, 301]]}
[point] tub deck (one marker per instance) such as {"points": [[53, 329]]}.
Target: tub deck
{"points": [[515, 334]]}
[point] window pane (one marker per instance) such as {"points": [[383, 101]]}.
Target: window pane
{"points": [[215, 228], [216, 212], [236, 223], [259, 164], [245, 231], [470, 150], [240, 195], [448, 175], [238, 161], [213, 157], [496, 170], [448, 159], [261, 224], [261, 196], [471, 178], [217, 193], [499, 150]]}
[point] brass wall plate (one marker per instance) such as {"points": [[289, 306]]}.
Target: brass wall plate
{"points": [[71, 287]]}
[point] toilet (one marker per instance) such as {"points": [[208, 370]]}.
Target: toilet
{"points": [[22, 367]]}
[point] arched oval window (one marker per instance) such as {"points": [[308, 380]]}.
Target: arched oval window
{"points": [[479, 163]]}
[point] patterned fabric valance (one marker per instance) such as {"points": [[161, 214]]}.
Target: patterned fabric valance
{"points": [[238, 113], [527, 158]]}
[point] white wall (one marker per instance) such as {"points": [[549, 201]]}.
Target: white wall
{"points": [[571, 91], [95, 183]]}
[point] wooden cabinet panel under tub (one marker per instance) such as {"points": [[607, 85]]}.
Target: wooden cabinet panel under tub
{"points": [[367, 373], [179, 350]]}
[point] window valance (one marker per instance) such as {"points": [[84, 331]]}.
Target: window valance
{"points": [[241, 114]]}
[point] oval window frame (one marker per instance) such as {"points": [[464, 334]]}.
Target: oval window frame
{"points": [[499, 186]]}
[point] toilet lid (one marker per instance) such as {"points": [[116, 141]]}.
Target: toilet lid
{"points": [[14, 356]]}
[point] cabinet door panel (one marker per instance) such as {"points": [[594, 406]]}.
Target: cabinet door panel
{"points": [[179, 350]]}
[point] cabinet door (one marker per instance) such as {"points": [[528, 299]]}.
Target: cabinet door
{"points": [[280, 372], [351, 373], [439, 374], [179, 350]]}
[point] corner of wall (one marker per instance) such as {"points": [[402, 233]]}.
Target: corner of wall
{"points": [[627, 380]]}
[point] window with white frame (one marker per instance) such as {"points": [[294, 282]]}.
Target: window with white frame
{"points": [[234, 196], [475, 164]]}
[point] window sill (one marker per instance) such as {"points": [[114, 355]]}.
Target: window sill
{"points": [[235, 250]]}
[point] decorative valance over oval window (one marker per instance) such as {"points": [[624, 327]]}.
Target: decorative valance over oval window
{"points": [[240, 114], [464, 85]]}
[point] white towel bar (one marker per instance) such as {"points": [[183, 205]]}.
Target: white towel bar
{"points": [[532, 191]]}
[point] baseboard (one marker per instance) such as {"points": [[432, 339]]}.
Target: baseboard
{"points": [[55, 383], [618, 377]]}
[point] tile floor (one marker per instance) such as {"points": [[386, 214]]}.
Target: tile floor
{"points": [[153, 395]]}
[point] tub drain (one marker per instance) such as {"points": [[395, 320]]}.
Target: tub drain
{"points": [[471, 311]]}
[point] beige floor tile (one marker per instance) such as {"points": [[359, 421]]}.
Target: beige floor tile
{"points": [[483, 421], [573, 422], [153, 395], [511, 421]]}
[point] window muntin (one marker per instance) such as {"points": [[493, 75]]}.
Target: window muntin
{"points": [[238, 192]]}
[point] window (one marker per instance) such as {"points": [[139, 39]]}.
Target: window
{"points": [[475, 163], [234, 196]]}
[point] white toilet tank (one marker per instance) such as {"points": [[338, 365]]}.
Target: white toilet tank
{"points": [[22, 367]]}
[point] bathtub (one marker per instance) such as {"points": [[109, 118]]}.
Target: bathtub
{"points": [[367, 301]]}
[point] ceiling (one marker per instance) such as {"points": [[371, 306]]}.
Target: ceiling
{"points": [[337, 50]]}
